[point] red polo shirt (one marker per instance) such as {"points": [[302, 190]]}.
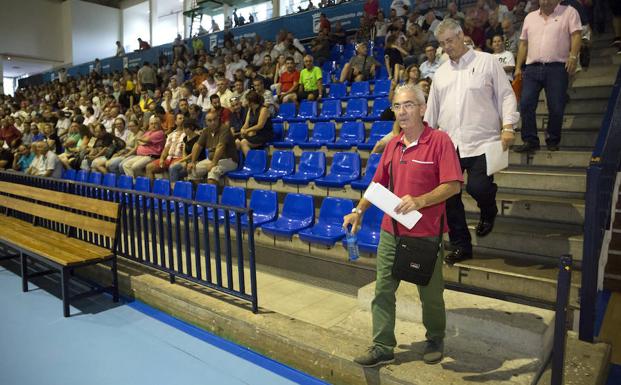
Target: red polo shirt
{"points": [[418, 170]]}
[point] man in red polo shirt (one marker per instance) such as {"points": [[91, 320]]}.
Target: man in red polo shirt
{"points": [[426, 172], [289, 81]]}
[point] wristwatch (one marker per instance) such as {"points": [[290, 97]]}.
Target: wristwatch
{"points": [[356, 210]]}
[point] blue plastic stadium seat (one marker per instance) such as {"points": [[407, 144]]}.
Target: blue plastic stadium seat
{"points": [[182, 190], [312, 166], [81, 177], [142, 184], [69, 174], [285, 112], [95, 177], [296, 133], [298, 213], [369, 233], [363, 183], [330, 109], [264, 205], [282, 163], [255, 163], [345, 168], [381, 88], [323, 133], [350, 135], [160, 187], [382, 73], [329, 226], [109, 180], [378, 54], [336, 91], [232, 196], [278, 129], [125, 182], [379, 105], [308, 110], [359, 90], [379, 129], [208, 193], [356, 109]]}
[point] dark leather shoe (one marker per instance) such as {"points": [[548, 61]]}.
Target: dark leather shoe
{"points": [[484, 227], [526, 148], [457, 256], [553, 147]]}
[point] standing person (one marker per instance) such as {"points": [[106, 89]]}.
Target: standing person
{"points": [[469, 97], [549, 46], [504, 57], [426, 172], [120, 51], [147, 77]]}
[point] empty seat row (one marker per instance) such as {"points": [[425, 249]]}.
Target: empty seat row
{"points": [[358, 90], [352, 134], [331, 110], [345, 169]]}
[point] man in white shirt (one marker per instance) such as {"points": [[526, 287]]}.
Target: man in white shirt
{"points": [[429, 67], [224, 92], [401, 7], [469, 97], [45, 162]]}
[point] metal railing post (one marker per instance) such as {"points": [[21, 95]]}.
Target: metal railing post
{"points": [[560, 331]]}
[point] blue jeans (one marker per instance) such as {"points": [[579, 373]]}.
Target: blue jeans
{"points": [[554, 79], [177, 172]]}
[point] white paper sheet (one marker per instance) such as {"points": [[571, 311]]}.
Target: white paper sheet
{"points": [[496, 158], [386, 201]]}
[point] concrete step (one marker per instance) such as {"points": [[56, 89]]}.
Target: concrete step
{"points": [[544, 158], [580, 106], [586, 92], [574, 121], [599, 75], [542, 179], [569, 138], [526, 329], [535, 207]]}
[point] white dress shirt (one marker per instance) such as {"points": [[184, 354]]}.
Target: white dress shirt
{"points": [[469, 99]]}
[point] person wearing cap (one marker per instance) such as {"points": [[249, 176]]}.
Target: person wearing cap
{"points": [[361, 67]]}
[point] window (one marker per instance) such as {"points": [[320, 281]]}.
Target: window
{"points": [[260, 12], [288, 7]]}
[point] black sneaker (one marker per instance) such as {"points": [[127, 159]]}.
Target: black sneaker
{"points": [[375, 356], [434, 352], [527, 148], [553, 147]]}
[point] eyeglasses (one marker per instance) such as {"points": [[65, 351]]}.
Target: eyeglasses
{"points": [[407, 106]]}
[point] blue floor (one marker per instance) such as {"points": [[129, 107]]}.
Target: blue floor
{"points": [[111, 344]]}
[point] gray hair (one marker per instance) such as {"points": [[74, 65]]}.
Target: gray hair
{"points": [[414, 89], [446, 25]]}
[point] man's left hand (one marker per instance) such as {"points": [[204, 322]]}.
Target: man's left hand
{"points": [[410, 203], [507, 138]]}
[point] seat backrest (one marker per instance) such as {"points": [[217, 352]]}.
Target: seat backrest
{"points": [[233, 196], [256, 161], [69, 174], [286, 110], [264, 202], [297, 132], [382, 87], [277, 129], [359, 89], [298, 207], [379, 129], [352, 132], [94, 177], [183, 190], [283, 161], [331, 108], [313, 162], [109, 180], [382, 73], [333, 210], [206, 192], [142, 184], [82, 176], [324, 131], [372, 163], [347, 163], [372, 218], [125, 182], [357, 107], [337, 90], [308, 109], [161, 187], [379, 105]]}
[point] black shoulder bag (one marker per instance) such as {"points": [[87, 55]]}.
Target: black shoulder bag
{"points": [[415, 258]]}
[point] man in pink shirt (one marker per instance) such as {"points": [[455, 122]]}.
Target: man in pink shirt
{"points": [[549, 46]]}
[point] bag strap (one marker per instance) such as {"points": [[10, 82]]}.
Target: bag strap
{"points": [[393, 220]]}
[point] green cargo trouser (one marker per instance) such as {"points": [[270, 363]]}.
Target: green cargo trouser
{"points": [[383, 305]]}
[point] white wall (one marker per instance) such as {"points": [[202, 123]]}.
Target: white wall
{"points": [[32, 28], [95, 29], [136, 25]]}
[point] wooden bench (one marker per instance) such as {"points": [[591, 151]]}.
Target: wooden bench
{"points": [[60, 231]]}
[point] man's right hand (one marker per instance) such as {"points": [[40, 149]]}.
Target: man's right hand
{"points": [[191, 166], [352, 219]]}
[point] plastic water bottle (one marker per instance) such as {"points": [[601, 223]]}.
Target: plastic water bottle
{"points": [[352, 245]]}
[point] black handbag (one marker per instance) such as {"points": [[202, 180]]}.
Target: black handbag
{"points": [[415, 258]]}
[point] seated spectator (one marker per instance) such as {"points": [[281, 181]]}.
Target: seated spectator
{"points": [[173, 149], [324, 23], [221, 152], [143, 45], [45, 162], [223, 92], [424, 84], [430, 23], [257, 130], [321, 47], [493, 28], [6, 157], [289, 83], [381, 25], [268, 98], [75, 144], [453, 12], [475, 32], [150, 146], [371, 8], [102, 148], [511, 36], [401, 7], [221, 111], [134, 132], [428, 67], [411, 75], [203, 98], [52, 139], [506, 59], [519, 13], [360, 67], [363, 33], [9, 134], [178, 169], [268, 69], [23, 158], [311, 87], [237, 117], [338, 35], [393, 57]]}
